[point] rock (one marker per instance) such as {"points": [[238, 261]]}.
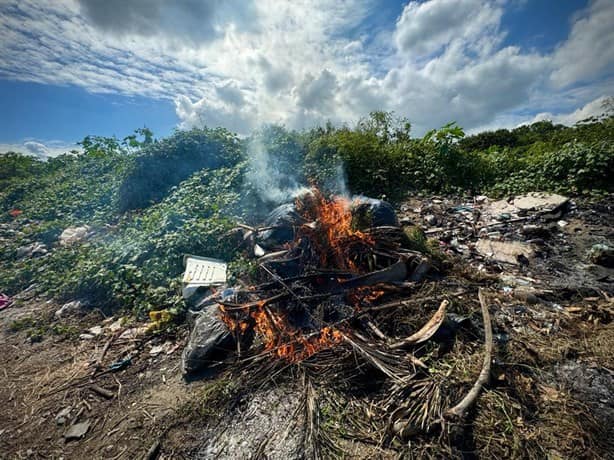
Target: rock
{"points": [[86, 336], [72, 235], [480, 199], [31, 250], [538, 201], [208, 335], [69, 309], [96, 330], [62, 416], [512, 252], [430, 220], [77, 431], [602, 254]]}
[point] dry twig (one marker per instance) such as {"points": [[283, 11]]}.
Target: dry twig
{"points": [[461, 408]]}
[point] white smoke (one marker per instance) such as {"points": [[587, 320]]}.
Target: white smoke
{"points": [[271, 181], [278, 172]]}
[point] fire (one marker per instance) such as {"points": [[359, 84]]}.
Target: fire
{"points": [[334, 244], [364, 294], [334, 237], [286, 342], [279, 337]]}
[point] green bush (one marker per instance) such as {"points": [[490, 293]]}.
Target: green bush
{"points": [[161, 165], [193, 187]]}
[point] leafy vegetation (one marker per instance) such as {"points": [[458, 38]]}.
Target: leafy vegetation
{"points": [[150, 201]]}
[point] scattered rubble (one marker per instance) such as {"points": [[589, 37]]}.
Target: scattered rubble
{"points": [[73, 235], [409, 352], [511, 252], [602, 254], [77, 431], [69, 309], [32, 250]]}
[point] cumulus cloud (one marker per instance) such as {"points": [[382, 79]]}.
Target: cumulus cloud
{"points": [[43, 150], [426, 27], [241, 63], [192, 20], [595, 108], [589, 52]]}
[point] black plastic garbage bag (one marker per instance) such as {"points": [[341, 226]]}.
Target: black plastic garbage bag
{"points": [[370, 212], [284, 219], [209, 337]]}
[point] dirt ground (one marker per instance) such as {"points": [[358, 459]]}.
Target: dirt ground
{"points": [[551, 392]]}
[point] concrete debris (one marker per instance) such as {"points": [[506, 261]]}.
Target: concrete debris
{"points": [[511, 252], [69, 309], [538, 201], [77, 431], [32, 250], [73, 235]]}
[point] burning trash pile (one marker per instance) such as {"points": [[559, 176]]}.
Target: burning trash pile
{"points": [[339, 291]]}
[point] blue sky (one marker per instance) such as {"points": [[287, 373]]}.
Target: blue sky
{"points": [[69, 68]]}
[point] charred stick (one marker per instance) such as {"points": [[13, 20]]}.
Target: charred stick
{"points": [[102, 391], [282, 282], [249, 305], [98, 363]]}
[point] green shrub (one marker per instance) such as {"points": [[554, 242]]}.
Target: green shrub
{"points": [[163, 164]]}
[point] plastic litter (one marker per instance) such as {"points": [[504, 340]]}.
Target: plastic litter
{"points": [[202, 272], [5, 301]]}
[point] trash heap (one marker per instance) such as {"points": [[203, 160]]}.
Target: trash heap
{"points": [[335, 290], [324, 263]]}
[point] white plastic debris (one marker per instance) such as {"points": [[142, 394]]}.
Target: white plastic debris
{"points": [[72, 235], [202, 272]]}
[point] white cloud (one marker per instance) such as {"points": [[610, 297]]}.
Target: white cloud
{"points": [[594, 108], [193, 20], [589, 51], [305, 61], [426, 27], [40, 149]]}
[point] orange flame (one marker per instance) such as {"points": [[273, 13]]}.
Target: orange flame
{"points": [[279, 336], [338, 245], [335, 234]]}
